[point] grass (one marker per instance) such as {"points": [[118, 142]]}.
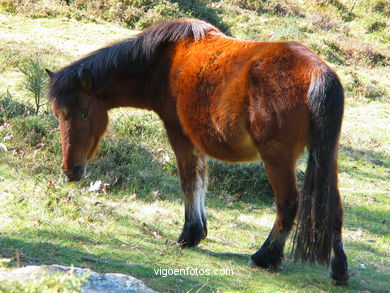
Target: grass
{"points": [[47, 283], [131, 227]]}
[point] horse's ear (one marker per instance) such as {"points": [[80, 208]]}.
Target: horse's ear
{"points": [[49, 73], [85, 77]]}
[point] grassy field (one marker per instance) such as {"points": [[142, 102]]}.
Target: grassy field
{"points": [[131, 226]]}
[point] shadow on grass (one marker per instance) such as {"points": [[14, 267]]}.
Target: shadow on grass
{"points": [[131, 168], [60, 248], [47, 247], [375, 276], [365, 216], [47, 251], [369, 220], [371, 157]]}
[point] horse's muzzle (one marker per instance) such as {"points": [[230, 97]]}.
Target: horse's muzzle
{"points": [[75, 174]]}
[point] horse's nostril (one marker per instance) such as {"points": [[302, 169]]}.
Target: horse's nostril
{"points": [[77, 169]]}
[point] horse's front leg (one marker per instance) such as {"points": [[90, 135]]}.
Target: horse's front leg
{"points": [[192, 167]]}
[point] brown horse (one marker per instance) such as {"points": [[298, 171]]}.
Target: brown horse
{"points": [[228, 99]]}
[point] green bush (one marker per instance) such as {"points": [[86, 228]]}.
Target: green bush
{"points": [[137, 124], [134, 13], [35, 80], [126, 165], [368, 90], [9, 108], [383, 7], [34, 129], [162, 10], [283, 8], [376, 26], [35, 9], [241, 181]]}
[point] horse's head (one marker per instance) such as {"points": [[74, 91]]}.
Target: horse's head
{"points": [[83, 120]]}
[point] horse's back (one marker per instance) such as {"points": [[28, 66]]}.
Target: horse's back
{"points": [[233, 96]]}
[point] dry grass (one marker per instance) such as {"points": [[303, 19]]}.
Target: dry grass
{"points": [[322, 20], [361, 53]]}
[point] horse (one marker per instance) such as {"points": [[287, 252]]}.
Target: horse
{"points": [[232, 100]]}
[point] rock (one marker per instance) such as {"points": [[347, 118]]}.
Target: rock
{"points": [[97, 283], [98, 186], [362, 266], [3, 147]]}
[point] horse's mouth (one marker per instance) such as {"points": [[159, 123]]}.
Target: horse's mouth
{"points": [[76, 173]]}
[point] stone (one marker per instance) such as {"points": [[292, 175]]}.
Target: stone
{"points": [[3, 147]]}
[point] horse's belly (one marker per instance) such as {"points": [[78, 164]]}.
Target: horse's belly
{"points": [[234, 148]]}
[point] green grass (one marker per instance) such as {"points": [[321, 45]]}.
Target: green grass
{"points": [[133, 226], [47, 283]]}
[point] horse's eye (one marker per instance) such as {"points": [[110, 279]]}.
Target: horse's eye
{"points": [[84, 115]]}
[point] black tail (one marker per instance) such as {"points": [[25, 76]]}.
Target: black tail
{"points": [[315, 225]]}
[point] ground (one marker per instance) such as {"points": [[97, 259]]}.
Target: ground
{"points": [[131, 225]]}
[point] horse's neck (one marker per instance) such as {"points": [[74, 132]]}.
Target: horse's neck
{"points": [[127, 90], [145, 90]]}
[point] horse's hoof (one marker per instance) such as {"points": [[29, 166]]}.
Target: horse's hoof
{"points": [[191, 235], [267, 259], [340, 281], [339, 272], [183, 242]]}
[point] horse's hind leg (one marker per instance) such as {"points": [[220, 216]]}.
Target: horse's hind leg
{"points": [[280, 168], [192, 167]]}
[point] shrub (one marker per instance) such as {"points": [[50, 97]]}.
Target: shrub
{"points": [[365, 90], [374, 92], [322, 21], [284, 8], [35, 80], [376, 26], [34, 129], [363, 53], [128, 165], [134, 13], [163, 10], [202, 9], [239, 180], [9, 108], [246, 4], [383, 7], [136, 124], [129, 15], [35, 9]]}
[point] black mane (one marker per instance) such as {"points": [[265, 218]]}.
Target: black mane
{"points": [[135, 54]]}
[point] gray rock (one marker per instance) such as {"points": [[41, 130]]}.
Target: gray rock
{"points": [[97, 283], [3, 147]]}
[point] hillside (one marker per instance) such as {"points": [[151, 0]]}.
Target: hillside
{"points": [[131, 225]]}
